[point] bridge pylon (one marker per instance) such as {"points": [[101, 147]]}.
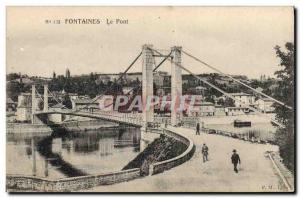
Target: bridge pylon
{"points": [[147, 92], [147, 83], [176, 85]]}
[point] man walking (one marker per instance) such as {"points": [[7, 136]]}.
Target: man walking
{"points": [[235, 159], [198, 129], [204, 152]]}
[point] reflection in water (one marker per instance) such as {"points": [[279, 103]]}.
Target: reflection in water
{"points": [[72, 154]]}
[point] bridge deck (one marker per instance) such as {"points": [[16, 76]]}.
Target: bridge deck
{"points": [[129, 119]]}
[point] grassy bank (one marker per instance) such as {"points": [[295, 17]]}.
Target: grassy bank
{"points": [[162, 148]]}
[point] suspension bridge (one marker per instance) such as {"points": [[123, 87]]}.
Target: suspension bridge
{"points": [[147, 121], [146, 118]]}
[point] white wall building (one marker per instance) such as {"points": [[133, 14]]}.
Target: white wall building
{"points": [[202, 109], [265, 105], [243, 99]]}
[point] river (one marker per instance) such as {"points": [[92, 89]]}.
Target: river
{"points": [[71, 154]]}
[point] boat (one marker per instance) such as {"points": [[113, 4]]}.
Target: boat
{"points": [[240, 123]]}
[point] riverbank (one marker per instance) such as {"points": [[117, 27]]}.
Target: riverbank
{"points": [[75, 126], [161, 149], [257, 118]]}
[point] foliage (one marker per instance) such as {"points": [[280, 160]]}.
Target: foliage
{"points": [[16, 88], [285, 93]]}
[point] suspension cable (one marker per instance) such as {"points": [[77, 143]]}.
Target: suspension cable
{"points": [[120, 77], [213, 86], [54, 97], [162, 61], [139, 85], [39, 95], [236, 80]]}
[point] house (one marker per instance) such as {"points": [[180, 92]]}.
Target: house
{"points": [[102, 78], [158, 78], [10, 105], [133, 76], [265, 105], [243, 99], [200, 90], [24, 80], [202, 109], [24, 107], [84, 103], [232, 111], [259, 89]]}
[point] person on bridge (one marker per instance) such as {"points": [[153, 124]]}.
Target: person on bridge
{"points": [[204, 153], [198, 129], [235, 159]]}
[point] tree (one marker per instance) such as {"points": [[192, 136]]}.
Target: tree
{"points": [[285, 93], [68, 73], [67, 102]]}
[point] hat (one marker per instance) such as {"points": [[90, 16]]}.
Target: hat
{"points": [[234, 150]]}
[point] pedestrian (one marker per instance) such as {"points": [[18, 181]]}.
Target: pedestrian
{"points": [[198, 129], [235, 159], [204, 152]]}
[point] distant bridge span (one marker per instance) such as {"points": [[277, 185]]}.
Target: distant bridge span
{"points": [[122, 118]]}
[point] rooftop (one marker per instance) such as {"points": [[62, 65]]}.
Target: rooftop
{"points": [[240, 94]]}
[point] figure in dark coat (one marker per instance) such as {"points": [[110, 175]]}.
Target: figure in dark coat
{"points": [[198, 129], [235, 159], [205, 152]]}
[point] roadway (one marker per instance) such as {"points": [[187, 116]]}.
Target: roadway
{"points": [[256, 172]]}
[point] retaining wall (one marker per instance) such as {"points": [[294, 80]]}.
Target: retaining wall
{"points": [[69, 184], [247, 136], [162, 166]]}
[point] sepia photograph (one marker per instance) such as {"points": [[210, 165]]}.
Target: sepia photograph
{"points": [[164, 99]]}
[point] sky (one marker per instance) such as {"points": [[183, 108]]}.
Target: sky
{"points": [[236, 40]]}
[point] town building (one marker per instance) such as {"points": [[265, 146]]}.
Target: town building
{"points": [[10, 105], [159, 77], [84, 104], [265, 105], [202, 109], [243, 99], [233, 111], [24, 107]]}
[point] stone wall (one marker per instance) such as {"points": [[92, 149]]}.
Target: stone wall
{"points": [[68, 184]]}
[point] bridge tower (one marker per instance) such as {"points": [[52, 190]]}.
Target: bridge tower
{"points": [[147, 88], [176, 85], [147, 81], [46, 97]]}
